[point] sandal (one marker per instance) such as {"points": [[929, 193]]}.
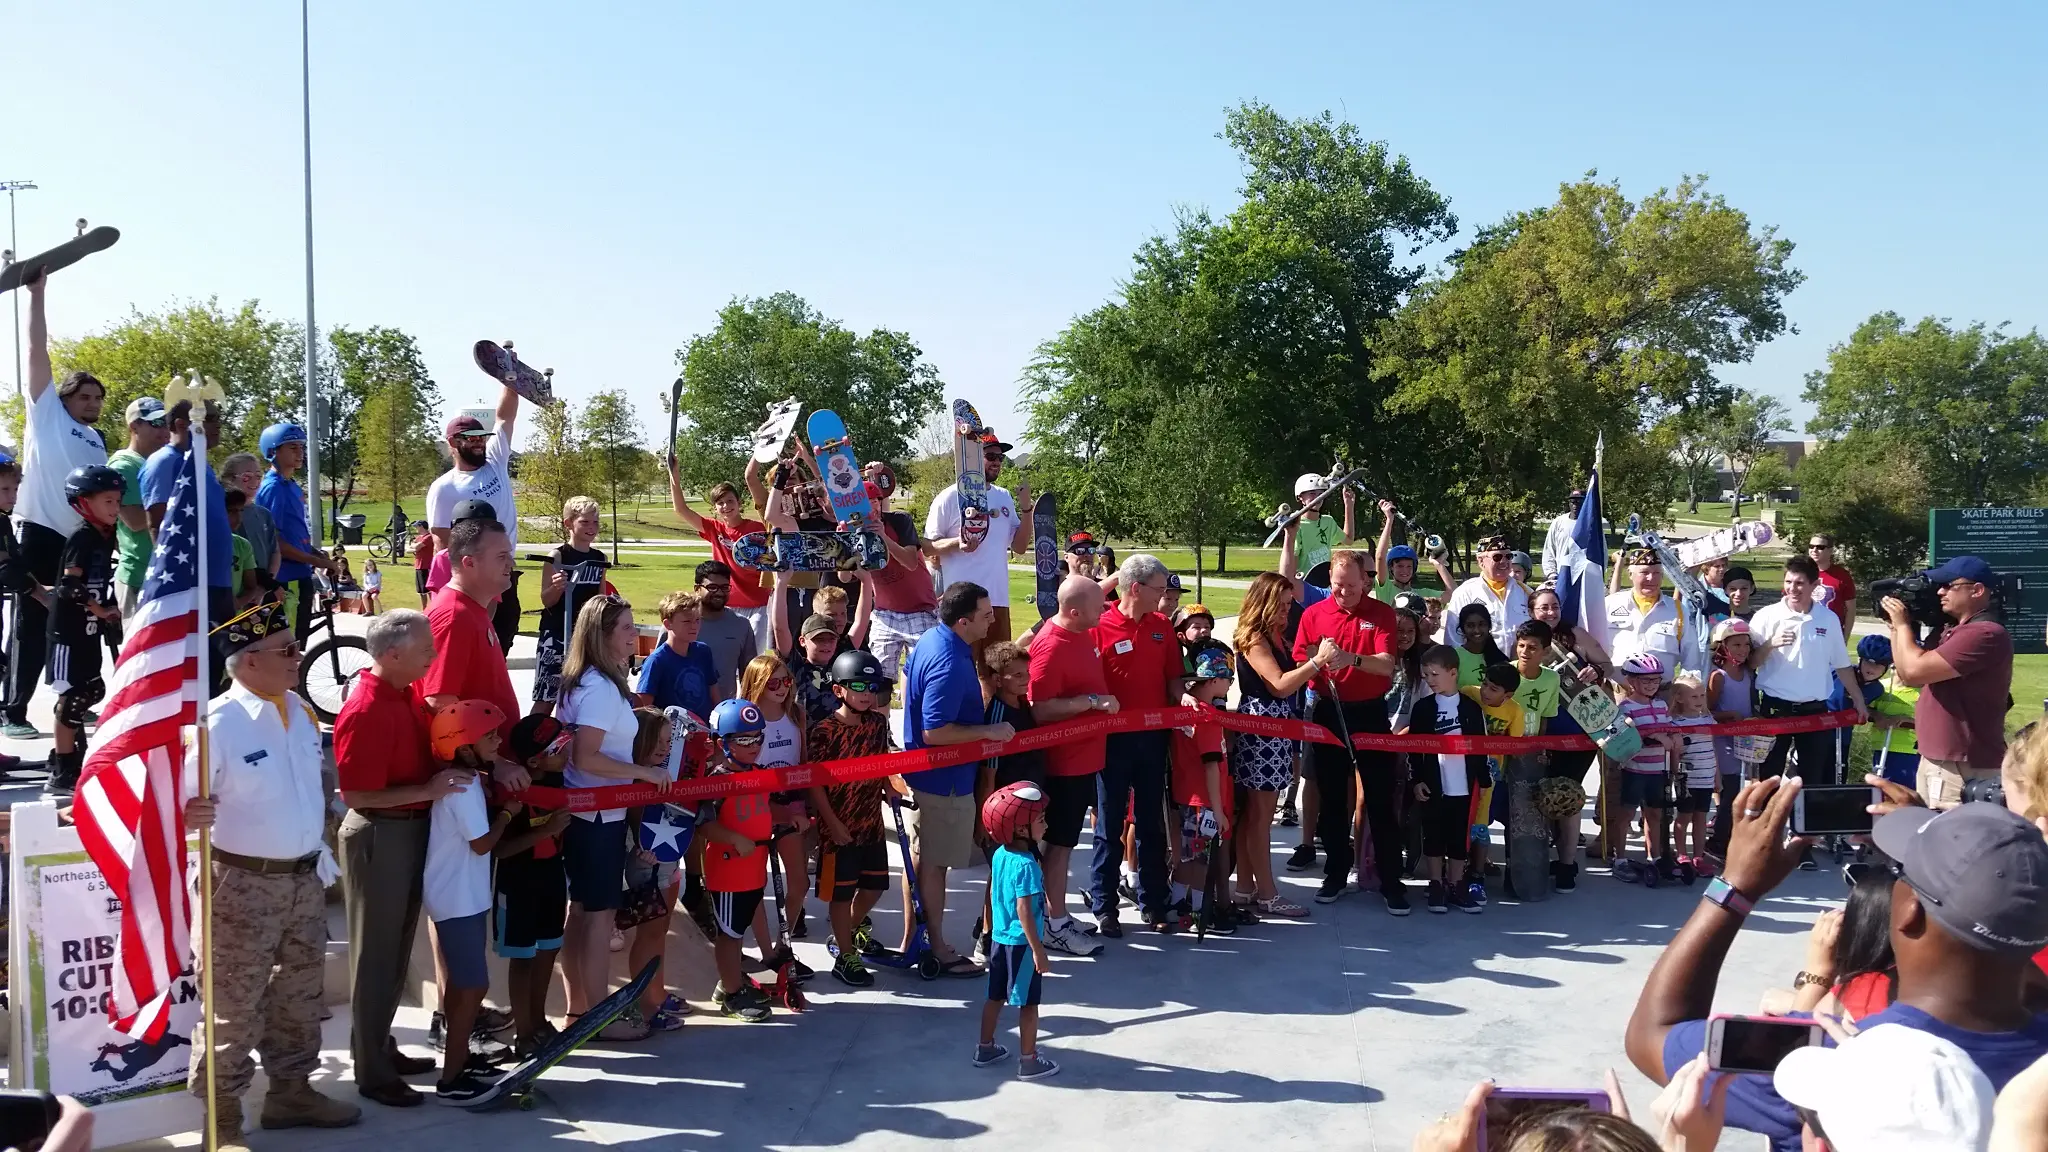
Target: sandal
{"points": [[960, 967], [1282, 906]]}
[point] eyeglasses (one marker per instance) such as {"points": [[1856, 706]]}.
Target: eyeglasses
{"points": [[864, 686], [290, 651], [745, 740], [781, 681]]}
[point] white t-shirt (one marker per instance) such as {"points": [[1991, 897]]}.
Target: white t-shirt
{"points": [[1450, 766], [1804, 671], [457, 881], [989, 564], [492, 482], [53, 446], [779, 743], [596, 702], [1508, 612]]}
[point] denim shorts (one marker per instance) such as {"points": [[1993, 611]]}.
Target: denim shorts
{"points": [[1644, 790]]}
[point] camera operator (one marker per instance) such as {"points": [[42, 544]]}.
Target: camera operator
{"points": [[1965, 680]]}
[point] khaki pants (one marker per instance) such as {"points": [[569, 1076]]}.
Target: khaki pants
{"points": [[269, 956], [383, 861], [1941, 781]]}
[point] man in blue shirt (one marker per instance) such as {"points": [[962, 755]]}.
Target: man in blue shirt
{"points": [[942, 706], [1969, 910], [284, 445], [159, 483]]}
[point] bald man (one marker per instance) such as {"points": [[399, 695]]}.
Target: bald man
{"points": [[1067, 681]]}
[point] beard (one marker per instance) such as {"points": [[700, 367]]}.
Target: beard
{"points": [[472, 454]]}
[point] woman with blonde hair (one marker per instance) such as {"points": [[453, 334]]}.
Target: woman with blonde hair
{"points": [[1269, 684]]}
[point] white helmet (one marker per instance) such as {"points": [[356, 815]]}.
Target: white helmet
{"points": [[1310, 482]]}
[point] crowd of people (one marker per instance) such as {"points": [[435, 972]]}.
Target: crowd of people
{"points": [[434, 750]]}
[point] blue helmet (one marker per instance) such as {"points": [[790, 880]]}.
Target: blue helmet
{"points": [[736, 718], [1876, 648], [1210, 661], [1400, 552], [277, 436]]}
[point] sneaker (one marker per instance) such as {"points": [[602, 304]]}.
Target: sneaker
{"points": [[1108, 925], [19, 730], [664, 1020], [1166, 921], [1302, 859], [1127, 889], [1290, 817], [1567, 877], [987, 1054], [1216, 922], [850, 971], [491, 1052], [1808, 864], [676, 1004], [1330, 892], [1476, 892], [1468, 903], [1625, 871], [747, 1005], [1437, 903], [1397, 900], [466, 1088], [1036, 1067], [492, 1021], [864, 941], [1068, 941], [982, 943], [436, 1025]]}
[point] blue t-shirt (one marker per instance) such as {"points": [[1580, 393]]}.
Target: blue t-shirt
{"points": [[160, 476], [674, 678], [286, 503], [940, 688], [1755, 1106], [1013, 874]]}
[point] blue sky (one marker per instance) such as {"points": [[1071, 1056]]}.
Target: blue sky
{"points": [[596, 180]]}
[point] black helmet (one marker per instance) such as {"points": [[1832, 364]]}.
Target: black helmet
{"points": [[473, 510], [858, 666], [91, 480]]}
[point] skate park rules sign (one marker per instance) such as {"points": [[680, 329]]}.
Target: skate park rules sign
{"points": [[2014, 541]]}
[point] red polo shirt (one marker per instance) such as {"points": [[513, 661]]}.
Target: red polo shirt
{"points": [[1065, 664], [1367, 630], [1137, 657], [467, 664], [380, 739], [748, 589]]}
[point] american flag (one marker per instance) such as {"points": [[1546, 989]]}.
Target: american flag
{"points": [[129, 809]]}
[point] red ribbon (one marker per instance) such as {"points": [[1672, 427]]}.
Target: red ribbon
{"points": [[1085, 727]]}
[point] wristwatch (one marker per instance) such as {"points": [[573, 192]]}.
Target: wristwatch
{"points": [[1721, 892], [1092, 705]]}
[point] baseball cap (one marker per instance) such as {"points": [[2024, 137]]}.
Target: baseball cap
{"points": [[537, 736], [466, 425], [1173, 583], [988, 440], [1971, 568], [472, 510], [1892, 1087], [1981, 871], [815, 624], [147, 409], [1080, 540]]}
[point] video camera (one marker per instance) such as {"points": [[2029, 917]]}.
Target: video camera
{"points": [[1922, 597]]}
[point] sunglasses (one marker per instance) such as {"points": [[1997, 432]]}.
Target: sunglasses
{"points": [[747, 740], [290, 651], [877, 687], [1818, 547], [780, 681]]}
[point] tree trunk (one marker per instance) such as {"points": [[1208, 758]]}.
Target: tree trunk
{"points": [[1198, 569], [1222, 547]]}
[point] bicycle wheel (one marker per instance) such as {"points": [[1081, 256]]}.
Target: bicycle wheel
{"points": [[325, 673], [382, 548]]}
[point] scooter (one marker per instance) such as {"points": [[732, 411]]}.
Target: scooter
{"points": [[920, 955]]}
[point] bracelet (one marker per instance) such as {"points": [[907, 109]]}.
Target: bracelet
{"points": [[1805, 978], [1721, 892]]}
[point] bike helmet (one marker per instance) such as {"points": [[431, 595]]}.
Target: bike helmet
{"points": [[1309, 482], [1211, 661], [91, 480], [1642, 664], [462, 723], [1400, 552], [1732, 626], [1875, 648], [1559, 798], [1519, 560], [736, 718], [854, 667], [1011, 809], [277, 436], [472, 510]]}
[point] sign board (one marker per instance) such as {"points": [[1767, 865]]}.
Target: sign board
{"points": [[488, 417], [62, 954], [2014, 541]]}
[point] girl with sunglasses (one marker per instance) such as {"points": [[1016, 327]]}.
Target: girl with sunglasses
{"points": [[768, 682]]}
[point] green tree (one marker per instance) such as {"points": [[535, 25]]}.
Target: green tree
{"points": [[611, 445], [1968, 407], [766, 349], [552, 468], [1693, 449], [1745, 434], [379, 428], [1769, 474], [1639, 477], [1866, 492]]}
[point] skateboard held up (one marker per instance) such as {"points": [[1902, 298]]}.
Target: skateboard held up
{"points": [[971, 483], [846, 490], [774, 432], [1312, 506], [17, 271], [810, 551], [1743, 537], [500, 363], [516, 1086], [1045, 553]]}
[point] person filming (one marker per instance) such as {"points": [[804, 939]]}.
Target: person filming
{"points": [[1965, 680]]}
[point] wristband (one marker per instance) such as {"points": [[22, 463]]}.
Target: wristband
{"points": [[1805, 978], [1724, 894]]}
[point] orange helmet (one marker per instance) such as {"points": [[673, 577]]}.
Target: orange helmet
{"points": [[463, 722], [1011, 809]]}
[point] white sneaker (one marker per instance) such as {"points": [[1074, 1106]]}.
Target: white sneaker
{"points": [[1068, 941]]}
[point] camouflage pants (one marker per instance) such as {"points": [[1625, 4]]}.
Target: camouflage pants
{"points": [[268, 958]]}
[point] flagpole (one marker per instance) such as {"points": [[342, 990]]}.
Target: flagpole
{"points": [[204, 632]]}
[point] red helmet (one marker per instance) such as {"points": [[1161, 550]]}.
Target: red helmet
{"points": [[463, 722], [1011, 809]]}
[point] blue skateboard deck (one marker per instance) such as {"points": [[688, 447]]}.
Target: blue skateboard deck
{"points": [[845, 489], [970, 481], [1045, 554]]}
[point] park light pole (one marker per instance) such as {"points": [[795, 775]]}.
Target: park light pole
{"points": [[13, 253], [313, 413]]}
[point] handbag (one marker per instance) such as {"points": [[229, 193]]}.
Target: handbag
{"points": [[643, 903]]}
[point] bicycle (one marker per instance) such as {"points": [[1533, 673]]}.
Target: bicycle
{"points": [[395, 542], [329, 666]]}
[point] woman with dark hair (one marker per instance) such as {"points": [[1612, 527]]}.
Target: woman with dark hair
{"points": [[1849, 969], [1269, 685]]}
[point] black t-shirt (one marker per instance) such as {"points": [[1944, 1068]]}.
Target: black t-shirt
{"points": [[14, 573], [813, 685], [1019, 765], [92, 551], [585, 570]]}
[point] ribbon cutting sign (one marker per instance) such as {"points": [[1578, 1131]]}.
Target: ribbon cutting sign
{"points": [[1082, 728]]}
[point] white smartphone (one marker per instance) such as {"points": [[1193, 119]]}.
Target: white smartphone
{"points": [[1834, 810], [1756, 1043]]}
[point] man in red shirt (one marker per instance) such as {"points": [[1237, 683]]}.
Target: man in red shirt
{"points": [[906, 606], [467, 663], [749, 595], [1836, 579], [387, 778], [1351, 699], [1141, 663], [1066, 682]]}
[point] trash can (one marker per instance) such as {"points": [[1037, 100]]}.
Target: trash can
{"points": [[349, 529]]}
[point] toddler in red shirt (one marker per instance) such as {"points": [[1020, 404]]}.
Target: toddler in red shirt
{"points": [[1199, 783]]}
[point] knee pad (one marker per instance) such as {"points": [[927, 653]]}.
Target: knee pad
{"points": [[72, 707]]}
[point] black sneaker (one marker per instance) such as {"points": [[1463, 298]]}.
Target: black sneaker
{"points": [[1437, 903], [745, 1005], [798, 970], [1215, 922], [849, 970], [466, 1088], [1567, 877], [1397, 901], [1464, 901], [491, 1052], [1108, 925], [1330, 891], [1290, 817], [1302, 859]]}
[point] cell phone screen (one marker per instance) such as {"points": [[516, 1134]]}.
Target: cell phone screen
{"points": [[1508, 1111], [1835, 809], [1758, 1045]]}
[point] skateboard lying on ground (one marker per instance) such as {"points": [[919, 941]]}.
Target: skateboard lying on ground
{"points": [[810, 551], [64, 255], [501, 364], [1337, 485], [846, 490], [1743, 537], [774, 432], [517, 1085], [969, 480], [1045, 554]]}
